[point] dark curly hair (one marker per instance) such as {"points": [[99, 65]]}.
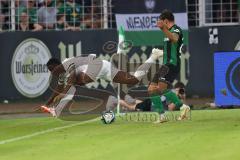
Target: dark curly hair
{"points": [[167, 14], [53, 61]]}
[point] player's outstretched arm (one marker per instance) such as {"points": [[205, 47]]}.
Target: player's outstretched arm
{"points": [[70, 82], [131, 107], [57, 90]]}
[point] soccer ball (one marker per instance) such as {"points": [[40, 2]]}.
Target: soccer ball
{"points": [[108, 117]]}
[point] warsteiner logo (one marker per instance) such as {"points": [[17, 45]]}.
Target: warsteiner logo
{"points": [[29, 70]]}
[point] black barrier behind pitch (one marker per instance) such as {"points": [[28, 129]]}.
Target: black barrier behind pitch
{"points": [[203, 42], [60, 45]]}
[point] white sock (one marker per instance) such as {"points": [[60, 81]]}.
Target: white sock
{"points": [[139, 74], [150, 60], [143, 69]]}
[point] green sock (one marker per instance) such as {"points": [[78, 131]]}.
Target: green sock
{"points": [[157, 103], [172, 97]]}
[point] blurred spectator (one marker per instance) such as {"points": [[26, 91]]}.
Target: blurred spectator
{"points": [[18, 10], [93, 19], [61, 22], [61, 19], [26, 25], [53, 14], [3, 25], [22, 3], [5, 6], [40, 3], [32, 11], [236, 12], [63, 25], [72, 12], [29, 7], [224, 12], [60, 6], [47, 14], [4, 14]]}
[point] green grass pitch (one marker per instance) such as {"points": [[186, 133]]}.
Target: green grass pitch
{"points": [[210, 135]]}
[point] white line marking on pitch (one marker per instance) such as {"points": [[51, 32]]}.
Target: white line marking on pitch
{"points": [[45, 131]]}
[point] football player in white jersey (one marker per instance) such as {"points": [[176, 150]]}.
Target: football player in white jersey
{"points": [[84, 70]]}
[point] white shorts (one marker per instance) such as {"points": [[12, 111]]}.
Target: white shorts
{"points": [[99, 69]]}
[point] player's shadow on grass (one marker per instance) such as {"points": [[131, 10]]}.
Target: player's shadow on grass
{"points": [[87, 104]]}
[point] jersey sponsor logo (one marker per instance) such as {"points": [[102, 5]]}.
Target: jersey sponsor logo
{"points": [[166, 39], [29, 70], [176, 30]]}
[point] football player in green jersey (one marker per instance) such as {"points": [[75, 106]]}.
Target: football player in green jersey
{"points": [[162, 81]]}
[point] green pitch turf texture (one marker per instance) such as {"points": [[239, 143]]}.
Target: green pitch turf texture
{"points": [[210, 135]]}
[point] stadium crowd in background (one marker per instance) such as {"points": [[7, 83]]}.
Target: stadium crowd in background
{"points": [[51, 14], [84, 14]]}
